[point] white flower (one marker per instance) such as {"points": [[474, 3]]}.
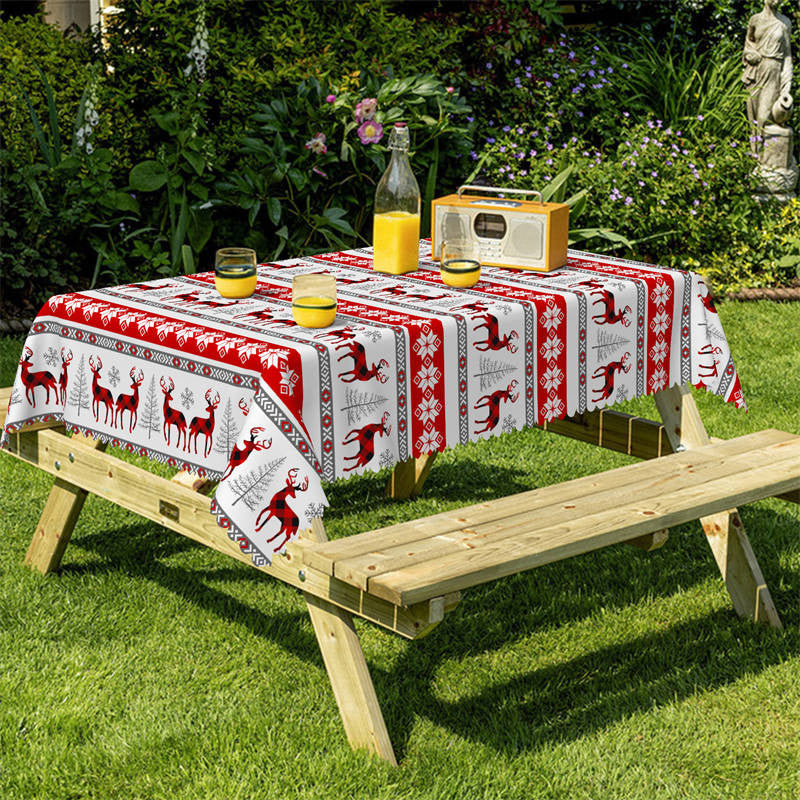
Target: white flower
{"points": [[661, 293], [552, 378], [427, 344], [660, 322], [427, 377], [659, 351], [428, 409], [553, 408], [551, 348], [552, 317]]}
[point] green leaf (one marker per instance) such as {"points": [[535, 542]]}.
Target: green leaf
{"points": [[253, 213], [55, 134], [556, 189], [200, 228], [196, 160], [187, 256], [274, 210], [788, 261], [179, 233], [148, 176], [121, 201]]}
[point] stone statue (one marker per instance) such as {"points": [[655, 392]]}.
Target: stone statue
{"points": [[768, 75]]}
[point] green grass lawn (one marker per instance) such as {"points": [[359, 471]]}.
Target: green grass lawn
{"points": [[151, 667]]}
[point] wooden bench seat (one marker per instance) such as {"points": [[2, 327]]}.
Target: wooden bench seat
{"points": [[426, 558]]}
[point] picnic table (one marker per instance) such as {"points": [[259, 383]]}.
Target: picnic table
{"points": [[233, 394]]}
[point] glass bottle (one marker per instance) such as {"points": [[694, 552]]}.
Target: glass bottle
{"points": [[395, 232]]}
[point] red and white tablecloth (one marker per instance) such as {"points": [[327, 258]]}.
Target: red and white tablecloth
{"points": [[234, 389]]}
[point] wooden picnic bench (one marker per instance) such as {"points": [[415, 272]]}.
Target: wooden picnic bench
{"points": [[406, 577]]}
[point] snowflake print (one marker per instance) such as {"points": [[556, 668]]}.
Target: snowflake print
{"points": [[661, 293], [552, 378], [622, 394], [659, 351], [551, 348], [314, 510], [509, 423], [429, 441], [371, 334], [427, 377], [386, 459], [427, 343], [553, 408], [274, 358], [660, 323], [658, 380], [428, 410], [503, 309], [288, 380], [113, 376], [51, 357], [552, 317], [187, 398]]}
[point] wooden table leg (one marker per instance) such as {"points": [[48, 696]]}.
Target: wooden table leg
{"points": [[348, 672], [725, 532], [55, 526], [409, 476]]}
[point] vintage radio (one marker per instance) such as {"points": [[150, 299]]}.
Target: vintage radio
{"points": [[522, 234]]}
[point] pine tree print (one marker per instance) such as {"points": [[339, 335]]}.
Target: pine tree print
{"points": [[608, 343], [492, 370], [79, 392], [359, 404], [151, 419], [252, 486], [226, 431]]}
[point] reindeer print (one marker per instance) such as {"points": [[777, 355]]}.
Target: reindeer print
{"points": [[399, 291], [32, 380], [366, 441], [493, 340], [360, 371], [607, 374], [609, 315], [101, 394], [240, 454], [64, 377], [709, 370], [706, 299], [129, 402], [476, 307], [280, 510], [204, 425], [171, 415], [338, 335], [492, 403]]}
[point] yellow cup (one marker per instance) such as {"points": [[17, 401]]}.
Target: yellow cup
{"points": [[460, 264], [314, 300], [235, 272]]}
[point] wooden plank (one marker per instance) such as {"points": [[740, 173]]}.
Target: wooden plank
{"points": [[724, 531], [615, 430], [790, 497], [534, 545], [612, 488], [650, 541], [349, 675], [191, 480], [409, 476], [410, 533], [187, 512], [55, 526]]}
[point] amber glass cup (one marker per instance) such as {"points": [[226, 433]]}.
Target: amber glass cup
{"points": [[314, 300], [235, 272]]}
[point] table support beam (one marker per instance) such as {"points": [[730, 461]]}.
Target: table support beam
{"points": [[55, 526], [348, 672], [725, 532], [409, 476]]}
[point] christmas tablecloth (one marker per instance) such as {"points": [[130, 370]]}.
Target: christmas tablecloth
{"points": [[234, 389]]}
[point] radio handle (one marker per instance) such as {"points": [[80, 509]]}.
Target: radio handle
{"points": [[498, 189]]}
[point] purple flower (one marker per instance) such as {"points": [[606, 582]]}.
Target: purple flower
{"points": [[547, 84], [625, 114], [571, 54], [533, 153], [628, 201], [331, 98], [317, 144], [490, 140], [520, 155], [520, 131], [654, 174], [506, 128], [523, 172], [700, 117], [502, 148], [370, 132], [365, 110], [488, 65], [470, 119], [579, 113], [549, 145], [591, 73], [641, 183], [556, 76], [473, 155], [549, 161]]}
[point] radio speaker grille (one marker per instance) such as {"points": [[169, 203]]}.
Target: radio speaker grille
{"points": [[526, 238]]}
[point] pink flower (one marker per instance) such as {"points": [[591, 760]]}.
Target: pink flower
{"points": [[365, 110], [317, 144], [450, 89], [370, 132], [331, 98], [319, 172]]}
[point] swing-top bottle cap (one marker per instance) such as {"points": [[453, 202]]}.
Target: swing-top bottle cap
{"points": [[401, 124], [398, 138]]}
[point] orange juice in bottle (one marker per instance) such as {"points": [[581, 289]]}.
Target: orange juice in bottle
{"points": [[395, 233]]}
